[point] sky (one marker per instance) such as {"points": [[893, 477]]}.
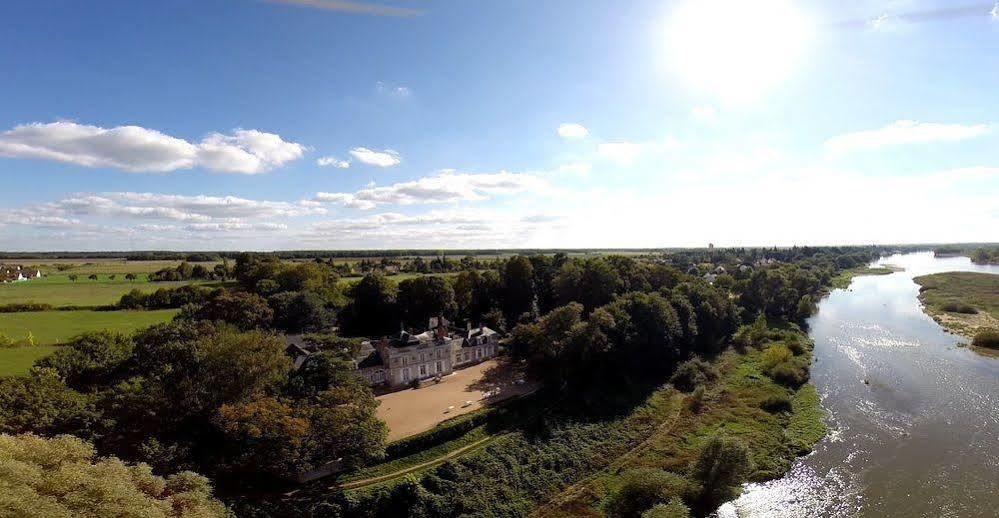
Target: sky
{"points": [[434, 124]]}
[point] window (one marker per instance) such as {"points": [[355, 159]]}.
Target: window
{"points": [[439, 369], [423, 370], [405, 374]]}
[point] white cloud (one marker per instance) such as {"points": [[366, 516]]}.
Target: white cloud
{"points": [[904, 132], [384, 158], [332, 161], [572, 131], [138, 149], [444, 187], [704, 114], [995, 11], [401, 92], [247, 151], [231, 226], [578, 168], [622, 152]]}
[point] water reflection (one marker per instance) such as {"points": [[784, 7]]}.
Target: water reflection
{"points": [[913, 417]]}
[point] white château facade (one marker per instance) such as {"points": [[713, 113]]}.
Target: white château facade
{"points": [[399, 360]]}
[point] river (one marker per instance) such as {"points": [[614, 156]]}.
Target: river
{"points": [[913, 417]]}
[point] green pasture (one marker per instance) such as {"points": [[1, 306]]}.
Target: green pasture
{"points": [[55, 327]]}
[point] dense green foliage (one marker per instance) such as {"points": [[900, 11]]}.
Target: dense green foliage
{"points": [[62, 477], [199, 394]]}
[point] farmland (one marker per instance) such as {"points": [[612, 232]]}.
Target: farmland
{"points": [[17, 360], [54, 327]]}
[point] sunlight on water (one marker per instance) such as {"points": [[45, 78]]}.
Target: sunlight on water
{"points": [[913, 418]]}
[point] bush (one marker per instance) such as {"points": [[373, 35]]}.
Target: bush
{"points": [[789, 373], [776, 404], [24, 307], [692, 373], [987, 337], [696, 399], [959, 307], [673, 509], [641, 489], [720, 468], [774, 355]]}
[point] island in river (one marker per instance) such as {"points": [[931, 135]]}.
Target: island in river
{"points": [[965, 303]]}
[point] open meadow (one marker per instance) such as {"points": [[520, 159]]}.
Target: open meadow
{"points": [[55, 327], [15, 361], [58, 289]]}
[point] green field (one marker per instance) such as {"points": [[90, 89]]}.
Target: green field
{"points": [[58, 290], [54, 327], [86, 267], [17, 360]]}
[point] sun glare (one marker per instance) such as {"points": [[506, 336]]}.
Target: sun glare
{"points": [[737, 50]]}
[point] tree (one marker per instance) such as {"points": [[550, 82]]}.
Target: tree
{"points": [[263, 435], [315, 277], [242, 309], [372, 309], [63, 476], [42, 403], [297, 312], [111, 277], [130, 277], [592, 283], [72, 277], [92, 276], [720, 468], [93, 358], [518, 288], [423, 297]]}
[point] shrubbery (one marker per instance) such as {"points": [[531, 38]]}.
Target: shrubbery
{"points": [[777, 404], [642, 489], [986, 337], [959, 307], [692, 373], [24, 307]]}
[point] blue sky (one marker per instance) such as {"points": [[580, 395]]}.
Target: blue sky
{"points": [[433, 124]]}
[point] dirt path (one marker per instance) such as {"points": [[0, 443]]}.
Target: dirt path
{"points": [[389, 476]]}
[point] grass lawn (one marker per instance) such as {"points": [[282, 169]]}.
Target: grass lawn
{"points": [[17, 360], [58, 290], [54, 327], [961, 301]]}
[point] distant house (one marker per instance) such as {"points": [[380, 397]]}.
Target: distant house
{"points": [[14, 273], [398, 360]]}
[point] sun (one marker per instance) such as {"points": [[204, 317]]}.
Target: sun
{"points": [[737, 50]]}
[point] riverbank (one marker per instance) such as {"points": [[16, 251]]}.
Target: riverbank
{"points": [[962, 302], [775, 422], [842, 279]]}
